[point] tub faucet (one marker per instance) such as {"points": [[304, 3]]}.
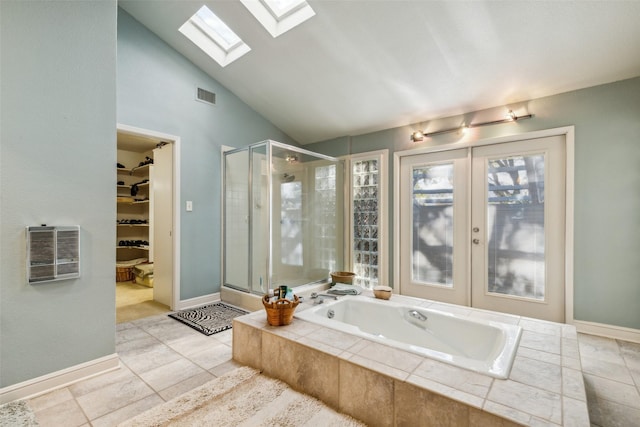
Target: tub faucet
{"points": [[417, 315], [319, 298]]}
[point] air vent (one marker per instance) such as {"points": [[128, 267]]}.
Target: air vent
{"points": [[206, 96]]}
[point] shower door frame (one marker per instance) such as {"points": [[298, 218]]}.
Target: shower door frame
{"points": [[223, 229], [269, 144]]}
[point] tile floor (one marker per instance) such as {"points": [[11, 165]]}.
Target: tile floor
{"points": [[611, 370], [162, 358], [134, 301]]}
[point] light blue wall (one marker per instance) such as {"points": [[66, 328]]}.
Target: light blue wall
{"points": [[58, 115], [607, 185], [156, 90], [57, 151]]}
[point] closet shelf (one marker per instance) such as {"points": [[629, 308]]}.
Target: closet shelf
{"points": [[133, 206], [142, 185], [141, 202], [137, 171]]}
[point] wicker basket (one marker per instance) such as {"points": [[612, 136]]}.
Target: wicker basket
{"points": [[124, 274], [343, 277], [280, 312]]}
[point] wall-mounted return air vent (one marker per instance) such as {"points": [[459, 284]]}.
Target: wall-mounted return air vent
{"points": [[206, 96], [53, 253]]}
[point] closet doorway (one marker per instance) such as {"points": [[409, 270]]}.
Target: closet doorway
{"points": [[484, 226], [146, 223]]}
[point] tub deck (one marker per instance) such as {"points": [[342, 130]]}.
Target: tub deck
{"points": [[385, 386]]}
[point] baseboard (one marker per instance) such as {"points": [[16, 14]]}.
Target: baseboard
{"points": [[197, 301], [46, 383], [609, 331]]}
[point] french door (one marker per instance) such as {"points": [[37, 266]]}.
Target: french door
{"points": [[434, 235], [484, 227]]}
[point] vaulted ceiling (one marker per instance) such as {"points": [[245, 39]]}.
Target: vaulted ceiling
{"points": [[359, 66]]}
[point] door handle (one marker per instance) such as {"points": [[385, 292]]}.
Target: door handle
{"points": [[476, 241]]}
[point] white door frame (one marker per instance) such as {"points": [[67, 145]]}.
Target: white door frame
{"points": [[175, 143], [568, 132]]}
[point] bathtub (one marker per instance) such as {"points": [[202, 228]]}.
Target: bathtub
{"points": [[486, 347]]}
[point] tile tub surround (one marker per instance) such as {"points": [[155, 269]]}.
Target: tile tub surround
{"points": [[384, 386]]}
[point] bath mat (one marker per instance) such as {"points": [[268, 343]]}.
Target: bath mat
{"points": [[17, 414], [242, 397], [209, 319]]}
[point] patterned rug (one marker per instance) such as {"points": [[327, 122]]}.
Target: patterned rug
{"points": [[209, 319]]}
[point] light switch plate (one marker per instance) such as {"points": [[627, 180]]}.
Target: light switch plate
{"points": [[189, 205]]}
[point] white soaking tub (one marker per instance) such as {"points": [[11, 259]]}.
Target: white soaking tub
{"points": [[482, 346]]}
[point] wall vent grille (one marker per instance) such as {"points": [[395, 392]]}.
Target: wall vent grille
{"points": [[53, 253], [206, 96]]}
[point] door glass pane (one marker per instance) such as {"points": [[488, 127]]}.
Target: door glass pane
{"points": [[515, 224], [365, 222], [432, 230], [236, 220], [291, 222]]}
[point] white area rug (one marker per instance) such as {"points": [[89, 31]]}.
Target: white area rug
{"points": [[246, 398]]}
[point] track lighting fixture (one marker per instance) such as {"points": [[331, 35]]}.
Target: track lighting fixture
{"points": [[510, 117]]}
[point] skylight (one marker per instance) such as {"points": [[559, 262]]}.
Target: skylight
{"points": [[279, 16], [215, 28], [210, 33], [281, 8]]}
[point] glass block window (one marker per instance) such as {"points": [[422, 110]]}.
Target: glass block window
{"points": [[366, 201]]}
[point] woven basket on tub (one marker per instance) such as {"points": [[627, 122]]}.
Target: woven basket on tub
{"points": [[280, 312]]}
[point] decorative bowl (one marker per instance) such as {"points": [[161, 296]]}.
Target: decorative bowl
{"points": [[382, 292]]}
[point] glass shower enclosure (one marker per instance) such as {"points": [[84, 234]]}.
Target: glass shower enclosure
{"points": [[283, 217]]}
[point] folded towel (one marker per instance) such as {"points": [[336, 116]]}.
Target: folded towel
{"points": [[341, 289]]}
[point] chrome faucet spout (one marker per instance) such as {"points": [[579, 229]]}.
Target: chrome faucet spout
{"points": [[319, 298]]}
